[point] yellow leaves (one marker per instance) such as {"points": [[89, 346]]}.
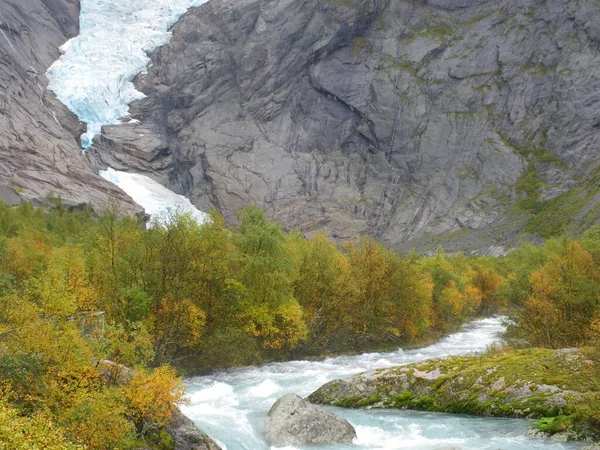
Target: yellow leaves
{"points": [[38, 432], [282, 328], [176, 326], [152, 398], [26, 253], [98, 420], [488, 282], [80, 379], [564, 296], [454, 298], [289, 327], [131, 347], [62, 288], [49, 291], [472, 298], [594, 330], [540, 320]]}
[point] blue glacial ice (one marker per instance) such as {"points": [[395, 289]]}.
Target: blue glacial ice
{"points": [[93, 77]]}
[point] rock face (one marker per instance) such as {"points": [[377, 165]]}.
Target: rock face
{"points": [[418, 122], [39, 153], [185, 434], [531, 383], [294, 421]]}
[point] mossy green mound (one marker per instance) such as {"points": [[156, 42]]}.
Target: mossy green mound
{"points": [[559, 387]]}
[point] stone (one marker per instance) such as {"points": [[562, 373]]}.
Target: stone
{"points": [[39, 151], [413, 122], [515, 384], [294, 421], [187, 436]]}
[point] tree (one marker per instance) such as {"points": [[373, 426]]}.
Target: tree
{"points": [[153, 397], [264, 267]]}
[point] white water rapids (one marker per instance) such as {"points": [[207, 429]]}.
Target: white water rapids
{"points": [[93, 78], [231, 406]]}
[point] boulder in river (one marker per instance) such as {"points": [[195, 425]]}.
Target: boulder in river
{"points": [[294, 421]]}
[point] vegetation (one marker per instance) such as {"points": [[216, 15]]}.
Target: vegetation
{"points": [[76, 289], [559, 387], [549, 366]]}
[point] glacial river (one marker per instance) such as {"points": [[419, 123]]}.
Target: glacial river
{"points": [[231, 406], [93, 78]]}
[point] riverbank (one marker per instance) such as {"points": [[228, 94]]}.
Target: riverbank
{"points": [[428, 339], [560, 388], [231, 405]]}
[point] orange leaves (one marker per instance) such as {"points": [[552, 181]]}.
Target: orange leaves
{"points": [[563, 299], [152, 398]]}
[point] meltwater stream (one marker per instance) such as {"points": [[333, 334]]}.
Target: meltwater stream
{"points": [[231, 406]]}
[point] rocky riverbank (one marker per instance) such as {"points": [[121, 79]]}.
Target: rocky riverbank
{"points": [[558, 387], [182, 433]]}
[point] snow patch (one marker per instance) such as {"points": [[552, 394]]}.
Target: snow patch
{"points": [[158, 201]]}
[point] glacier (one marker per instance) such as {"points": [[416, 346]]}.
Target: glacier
{"points": [[158, 201], [93, 77]]}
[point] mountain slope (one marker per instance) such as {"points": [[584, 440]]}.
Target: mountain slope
{"points": [[473, 124], [39, 153]]}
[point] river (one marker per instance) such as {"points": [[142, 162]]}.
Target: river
{"points": [[231, 405], [93, 78]]}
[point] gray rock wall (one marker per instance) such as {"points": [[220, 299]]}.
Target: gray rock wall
{"points": [[39, 152], [417, 122]]}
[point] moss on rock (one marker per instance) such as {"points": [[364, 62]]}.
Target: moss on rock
{"points": [[550, 385]]}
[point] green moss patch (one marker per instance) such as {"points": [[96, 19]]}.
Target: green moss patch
{"points": [[557, 387]]}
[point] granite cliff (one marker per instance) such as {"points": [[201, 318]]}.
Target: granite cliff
{"points": [[468, 123], [39, 151]]}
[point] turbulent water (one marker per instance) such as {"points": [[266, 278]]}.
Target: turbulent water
{"points": [[93, 76], [231, 406]]}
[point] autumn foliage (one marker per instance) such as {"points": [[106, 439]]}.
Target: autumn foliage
{"points": [[202, 297]]}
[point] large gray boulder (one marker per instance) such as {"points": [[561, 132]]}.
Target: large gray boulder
{"points": [[187, 436], [294, 421]]}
